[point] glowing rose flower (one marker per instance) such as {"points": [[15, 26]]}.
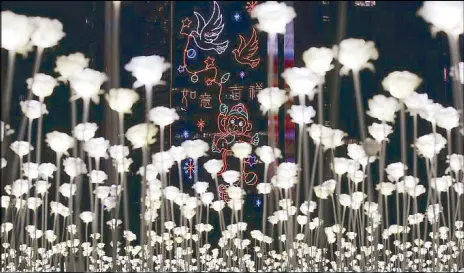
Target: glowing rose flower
{"points": [[273, 16], [59, 142], [456, 162], [433, 212], [46, 170], [446, 16], [129, 236], [42, 187], [21, 148], [383, 108], [119, 152], [33, 109], [430, 111], [33, 203], [122, 165], [271, 99], [87, 216], [86, 84], [6, 227], [407, 183], [70, 65], [301, 114], [355, 54], [47, 32], [213, 167], [430, 145], [340, 165], [329, 138], [5, 201], [308, 207], [358, 154], [207, 198], [171, 192], [42, 85], [357, 176], [148, 70], [163, 161], [85, 131], [415, 102], [96, 147], [266, 155], [68, 190], [415, 219], [163, 116], [121, 100], [230, 176], [326, 189], [459, 188], [177, 153], [4, 162], [395, 171], [142, 135], [447, 118], [152, 172], [235, 204], [5, 130], [109, 203], [380, 131], [195, 148], [284, 183], [235, 192], [287, 170], [318, 60], [200, 187], [102, 192], [401, 84], [31, 170], [386, 188], [97, 177], [416, 191], [16, 31], [20, 187], [74, 166], [441, 184], [241, 150], [264, 188], [302, 81]]}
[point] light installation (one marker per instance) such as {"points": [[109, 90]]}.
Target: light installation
{"points": [[218, 73]]}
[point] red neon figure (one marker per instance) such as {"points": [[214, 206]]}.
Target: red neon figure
{"points": [[234, 126], [246, 51]]}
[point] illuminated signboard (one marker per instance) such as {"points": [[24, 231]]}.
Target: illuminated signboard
{"points": [[218, 68]]}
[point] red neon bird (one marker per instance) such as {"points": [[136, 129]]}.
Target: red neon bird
{"points": [[246, 51]]}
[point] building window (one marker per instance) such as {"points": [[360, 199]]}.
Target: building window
{"points": [[364, 3]]}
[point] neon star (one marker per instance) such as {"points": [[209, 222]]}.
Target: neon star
{"points": [[237, 16], [201, 124], [209, 62], [251, 161], [242, 74], [181, 69], [186, 22]]}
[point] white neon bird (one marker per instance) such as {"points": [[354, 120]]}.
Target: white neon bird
{"points": [[207, 33]]}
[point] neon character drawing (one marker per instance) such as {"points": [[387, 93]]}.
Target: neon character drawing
{"points": [[246, 51], [234, 126]]}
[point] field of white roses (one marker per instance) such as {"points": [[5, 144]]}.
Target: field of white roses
{"points": [[390, 221]]}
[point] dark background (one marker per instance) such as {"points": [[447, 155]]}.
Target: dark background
{"points": [[403, 40]]}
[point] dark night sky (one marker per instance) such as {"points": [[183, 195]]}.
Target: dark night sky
{"points": [[403, 40]]}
